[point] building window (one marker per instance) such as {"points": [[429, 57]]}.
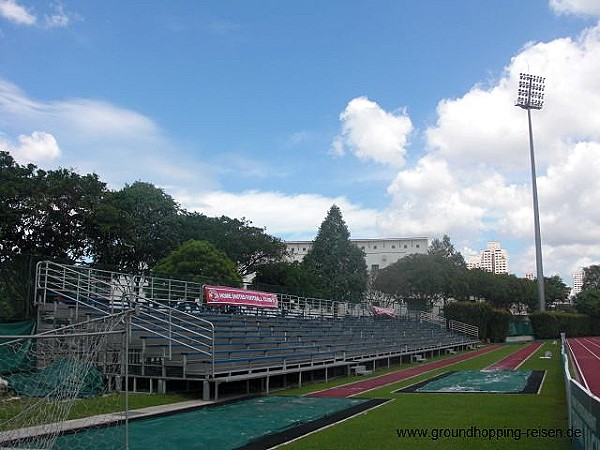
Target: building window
{"points": [[393, 246], [418, 245], [405, 246], [374, 247], [303, 249], [375, 267]]}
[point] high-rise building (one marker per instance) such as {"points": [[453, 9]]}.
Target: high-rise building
{"points": [[577, 282], [493, 259]]}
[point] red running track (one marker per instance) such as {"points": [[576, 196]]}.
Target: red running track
{"points": [[514, 360], [349, 390], [586, 356]]}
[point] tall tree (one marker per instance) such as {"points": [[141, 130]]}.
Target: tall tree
{"points": [[422, 279], [445, 249], [137, 226], [556, 291], [47, 214], [588, 302], [338, 265], [591, 277]]}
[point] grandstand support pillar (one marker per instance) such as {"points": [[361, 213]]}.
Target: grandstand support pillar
{"points": [[267, 385], [206, 390], [299, 379], [326, 379], [216, 390]]}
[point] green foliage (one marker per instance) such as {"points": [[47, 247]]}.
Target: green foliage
{"points": [[289, 277], [250, 247], [492, 323], [418, 278], [137, 226], [445, 249], [200, 262], [591, 277], [549, 325], [588, 302], [338, 265], [555, 290], [47, 214]]}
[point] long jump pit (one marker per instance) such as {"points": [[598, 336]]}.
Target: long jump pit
{"points": [[481, 382]]}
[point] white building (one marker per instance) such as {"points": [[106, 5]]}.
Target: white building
{"points": [[379, 253], [493, 259], [577, 282]]}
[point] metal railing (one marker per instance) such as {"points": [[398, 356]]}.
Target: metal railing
{"points": [[464, 328], [106, 292]]}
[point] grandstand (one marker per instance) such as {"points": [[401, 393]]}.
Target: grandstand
{"points": [[178, 338]]}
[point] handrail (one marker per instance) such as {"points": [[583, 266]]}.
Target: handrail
{"points": [[80, 285], [461, 327]]}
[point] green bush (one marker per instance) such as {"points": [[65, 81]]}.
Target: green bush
{"points": [[549, 325]]}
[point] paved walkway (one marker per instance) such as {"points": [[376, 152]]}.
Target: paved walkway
{"points": [[355, 388]]}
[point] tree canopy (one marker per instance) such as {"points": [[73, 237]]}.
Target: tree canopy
{"points": [[200, 262], [445, 249], [591, 277], [249, 246]]}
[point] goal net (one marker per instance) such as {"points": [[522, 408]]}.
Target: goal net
{"points": [[55, 386]]}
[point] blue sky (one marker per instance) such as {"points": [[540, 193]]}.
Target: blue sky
{"points": [[401, 112]]}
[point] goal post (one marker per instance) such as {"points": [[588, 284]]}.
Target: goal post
{"points": [[56, 384]]}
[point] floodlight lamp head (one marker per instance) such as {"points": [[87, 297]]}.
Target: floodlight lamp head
{"points": [[531, 91]]}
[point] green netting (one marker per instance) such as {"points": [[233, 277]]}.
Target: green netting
{"points": [[221, 427], [14, 358], [520, 326], [480, 381], [59, 378]]}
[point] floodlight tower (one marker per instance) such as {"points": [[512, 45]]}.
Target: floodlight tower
{"points": [[531, 96]]}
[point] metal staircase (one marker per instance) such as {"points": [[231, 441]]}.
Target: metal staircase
{"points": [[160, 331]]}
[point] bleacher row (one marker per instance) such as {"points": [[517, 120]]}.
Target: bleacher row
{"points": [[167, 344], [246, 346]]}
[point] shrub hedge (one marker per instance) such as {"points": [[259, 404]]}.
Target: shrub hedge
{"points": [[492, 322]]}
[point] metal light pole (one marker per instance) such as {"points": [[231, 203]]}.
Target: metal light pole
{"points": [[531, 96]]}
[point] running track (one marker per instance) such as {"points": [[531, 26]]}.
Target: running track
{"points": [[514, 360], [586, 356], [349, 390]]}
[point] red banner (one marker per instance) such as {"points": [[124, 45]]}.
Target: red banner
{"points": [[378, 311], [219, 295]]}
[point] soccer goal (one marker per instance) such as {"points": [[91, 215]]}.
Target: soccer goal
{"points": [[58, 384]]}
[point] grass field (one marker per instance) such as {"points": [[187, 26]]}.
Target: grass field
{"points": [[10, 407], [434, 413]]}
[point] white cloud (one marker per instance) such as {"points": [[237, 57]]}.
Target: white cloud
{"points": [[37, 147], [291, 216], [577, 7], [20, 15], [119, 144], [13, 12], [372, 133], [59, 18]]}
